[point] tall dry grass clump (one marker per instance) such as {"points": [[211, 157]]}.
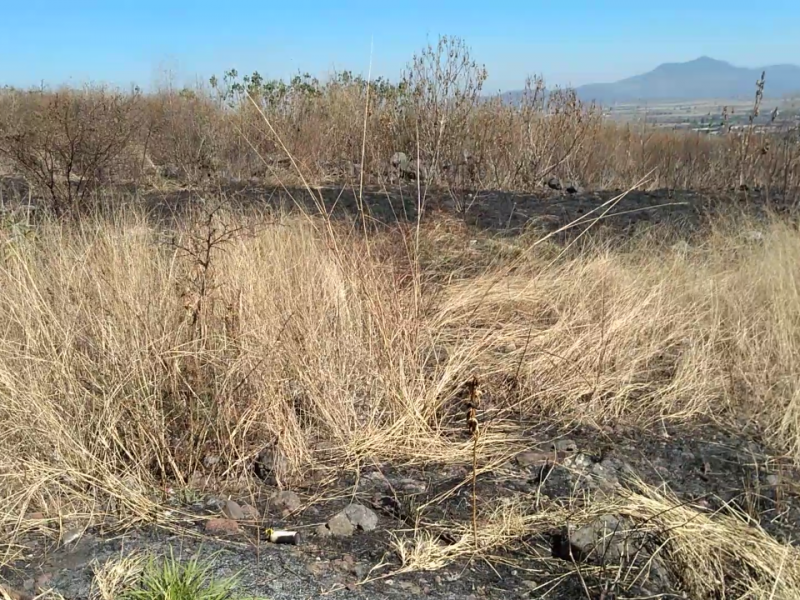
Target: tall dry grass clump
{"points": [[127, 361]]}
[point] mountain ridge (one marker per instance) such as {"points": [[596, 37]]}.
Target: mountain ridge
{"points": [[701, 78]]}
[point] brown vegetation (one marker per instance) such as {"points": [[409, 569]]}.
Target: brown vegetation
{"points": [[435, 113], [129, 355]]}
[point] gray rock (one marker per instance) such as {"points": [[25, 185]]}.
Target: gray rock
{"points": [[532, 458], [338, 525], [773, 480], [579, 462], [554, 183], [398, 159], [607, 539], [361, 517], [215, 503], [232, 510], [565, 445], [250, 512], [287, 500]]}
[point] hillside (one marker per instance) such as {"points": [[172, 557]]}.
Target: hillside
{"points": [[700, 78]]}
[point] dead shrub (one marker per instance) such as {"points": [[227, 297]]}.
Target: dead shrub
{"points": [[67, 142]]}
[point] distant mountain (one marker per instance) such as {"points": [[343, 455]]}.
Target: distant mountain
{"points": [[701, 78]]}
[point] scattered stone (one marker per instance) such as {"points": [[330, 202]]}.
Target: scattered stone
{"points": [[288, 501], [554, 183], [532, 458], [35, 516], [565, 445], [345, 523], [398, 159], [361, 517], [773, 480], [271, 465], [72, 535], [250, 512], [215, 503], [409, 485], [410, 587], [28, 585], [222, 527], [605, 540], [232, 510], [210, 460], [338, 525]]}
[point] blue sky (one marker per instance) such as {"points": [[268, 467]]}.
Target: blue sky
{"points": [[569, 42]]}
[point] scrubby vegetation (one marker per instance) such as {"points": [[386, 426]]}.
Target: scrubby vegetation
{"points": [[133, 350]]}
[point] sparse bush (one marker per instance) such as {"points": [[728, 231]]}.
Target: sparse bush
{"points": [[464, 139], [67, 142]]}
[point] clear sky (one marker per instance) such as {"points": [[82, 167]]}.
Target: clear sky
{"points": [[570, 42]]}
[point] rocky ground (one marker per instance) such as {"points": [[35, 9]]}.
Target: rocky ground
{"points": [[346, 550]]}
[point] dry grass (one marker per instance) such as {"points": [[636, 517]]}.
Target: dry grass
{"points": [[712, 555], [109, 391], [130, 356]]}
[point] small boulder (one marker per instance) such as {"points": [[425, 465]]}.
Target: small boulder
{"points": [[532, 458], [605, 540], [361, 517], [565, 445], [554, 183], [338, 525], [288, 501], [232, 510], [222, 527], [574, 188], [250, 512], [398, 159]]}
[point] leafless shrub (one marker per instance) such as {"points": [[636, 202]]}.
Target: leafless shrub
{"points": [[68, 141]]}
